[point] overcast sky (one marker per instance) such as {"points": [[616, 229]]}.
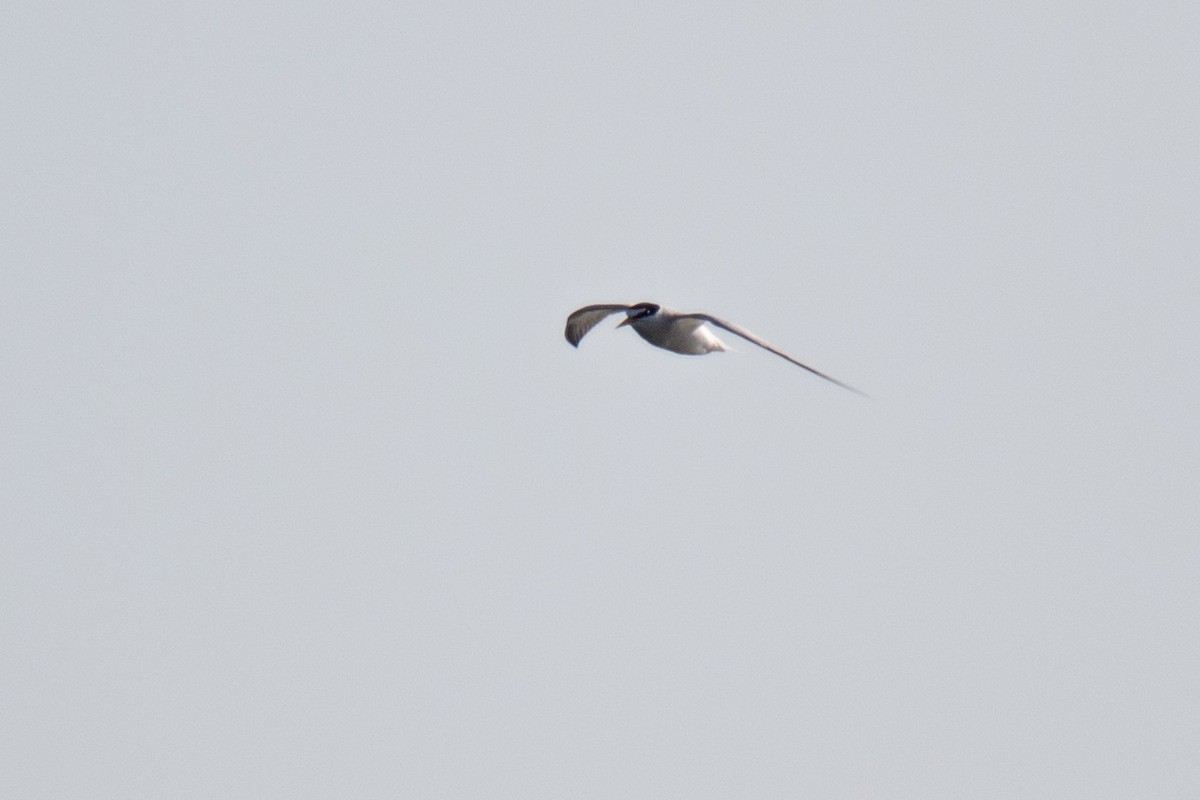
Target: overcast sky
{"points": [[304, 494]]}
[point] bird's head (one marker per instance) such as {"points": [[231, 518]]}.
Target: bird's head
{"points": [[638, 311]]}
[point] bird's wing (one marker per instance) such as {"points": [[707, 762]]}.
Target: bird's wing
{"points": [[584, 319], [750, 337]]}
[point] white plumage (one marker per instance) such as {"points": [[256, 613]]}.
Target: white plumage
{"points": [[675, 331]]}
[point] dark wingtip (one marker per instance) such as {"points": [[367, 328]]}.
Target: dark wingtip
{"points": [[849, 388]]}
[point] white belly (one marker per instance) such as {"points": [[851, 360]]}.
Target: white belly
{"points": [[687, 336]]}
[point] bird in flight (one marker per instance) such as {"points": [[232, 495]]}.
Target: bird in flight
{"points": [[676, 331]]}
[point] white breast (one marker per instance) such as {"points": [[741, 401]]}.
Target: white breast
{"points": [[687, 336]]}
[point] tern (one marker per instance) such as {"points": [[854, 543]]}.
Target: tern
{"points": [[676, 331]]}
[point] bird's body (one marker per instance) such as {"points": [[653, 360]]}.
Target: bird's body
{"points": [[670, 331], [679, 332]]}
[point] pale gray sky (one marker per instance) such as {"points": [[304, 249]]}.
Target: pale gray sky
{"points": [[305, 495]]}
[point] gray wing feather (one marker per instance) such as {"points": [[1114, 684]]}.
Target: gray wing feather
{"points": [[750, 337], [584, 319]]}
